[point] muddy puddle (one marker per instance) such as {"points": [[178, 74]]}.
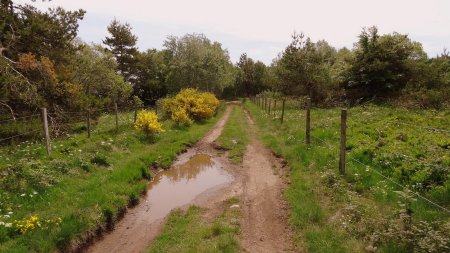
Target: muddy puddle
{"points": [[179, 186], [168, 190]]}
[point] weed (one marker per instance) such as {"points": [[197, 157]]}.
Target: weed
{"points": [[100, 159]]}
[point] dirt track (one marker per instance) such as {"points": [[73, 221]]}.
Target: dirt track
{"points": [[257, 183], [264, 221], [136, 231]]}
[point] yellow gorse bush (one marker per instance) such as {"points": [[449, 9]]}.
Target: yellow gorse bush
{"points": [[191, 104], [181, 118], [147, 122]]}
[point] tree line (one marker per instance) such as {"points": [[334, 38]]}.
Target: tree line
{"points": [[389, 68], [44, 64]]}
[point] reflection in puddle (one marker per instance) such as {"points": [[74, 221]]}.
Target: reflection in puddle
{"points": [[180, 185]]}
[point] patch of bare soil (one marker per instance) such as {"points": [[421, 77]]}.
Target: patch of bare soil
{"points": [[264, 221]]}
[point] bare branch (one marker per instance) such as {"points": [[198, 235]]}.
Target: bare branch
{"points": [[10, 109]]}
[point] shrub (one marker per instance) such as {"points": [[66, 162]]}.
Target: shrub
{"points": [[190, 104], [181, 118], [147, 122]]}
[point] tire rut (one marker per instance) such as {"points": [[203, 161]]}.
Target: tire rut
{"points": [[264, 221]]}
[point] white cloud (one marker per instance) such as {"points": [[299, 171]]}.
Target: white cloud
{"points": [[339, 22]]}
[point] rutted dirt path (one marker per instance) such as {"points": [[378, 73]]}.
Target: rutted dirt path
{"points": [[141, 224], [257, 182], [264, 221]]}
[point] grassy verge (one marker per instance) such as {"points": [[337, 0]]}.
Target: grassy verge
{"points": [[186, 231], [86, 184], [234, 137], [362, 211]]}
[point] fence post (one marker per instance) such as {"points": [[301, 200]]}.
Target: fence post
{"points": [[46, 134], [282, 111], [135, 112], [270, 103], [308, 121], [265, 104], [117, 116], [343, 141], [275, 108], [89, 123]]}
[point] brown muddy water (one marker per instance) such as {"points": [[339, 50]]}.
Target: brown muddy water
{"points": [[168, 190], [179, 186]]}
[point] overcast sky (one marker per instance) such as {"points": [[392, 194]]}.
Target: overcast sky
{"points": [[263, 28]]}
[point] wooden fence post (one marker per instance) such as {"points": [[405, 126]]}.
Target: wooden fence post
{"points": [[343, 141], [308, 121], [282, 111], [46, 134], [117, 116], [89, 123], [275, 108], [270, 103]]}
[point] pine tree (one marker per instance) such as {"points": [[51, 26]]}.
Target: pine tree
{"points": [[122, 44]]}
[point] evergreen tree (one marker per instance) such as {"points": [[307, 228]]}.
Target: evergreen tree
{"points": [[122, 44]]}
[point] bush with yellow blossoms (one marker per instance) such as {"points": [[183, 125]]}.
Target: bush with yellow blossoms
{"points": [[191, 104], [181, 118], [147, 122]]}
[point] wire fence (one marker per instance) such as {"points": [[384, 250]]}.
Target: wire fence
{"points": [[62, 122], [267, 105]]}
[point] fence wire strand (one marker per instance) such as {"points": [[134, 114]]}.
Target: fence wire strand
{"points": [[421, 127], [400, 185], [18, 118], [18, 135]]}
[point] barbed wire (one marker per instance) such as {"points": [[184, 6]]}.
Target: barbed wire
{"points": [[421, 127], [18, 118], [400, 185], [18, 135]]}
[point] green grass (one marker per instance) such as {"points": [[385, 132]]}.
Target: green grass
{"points": [[234, 136], [331, 213], [186, 231], [85, 182]]}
